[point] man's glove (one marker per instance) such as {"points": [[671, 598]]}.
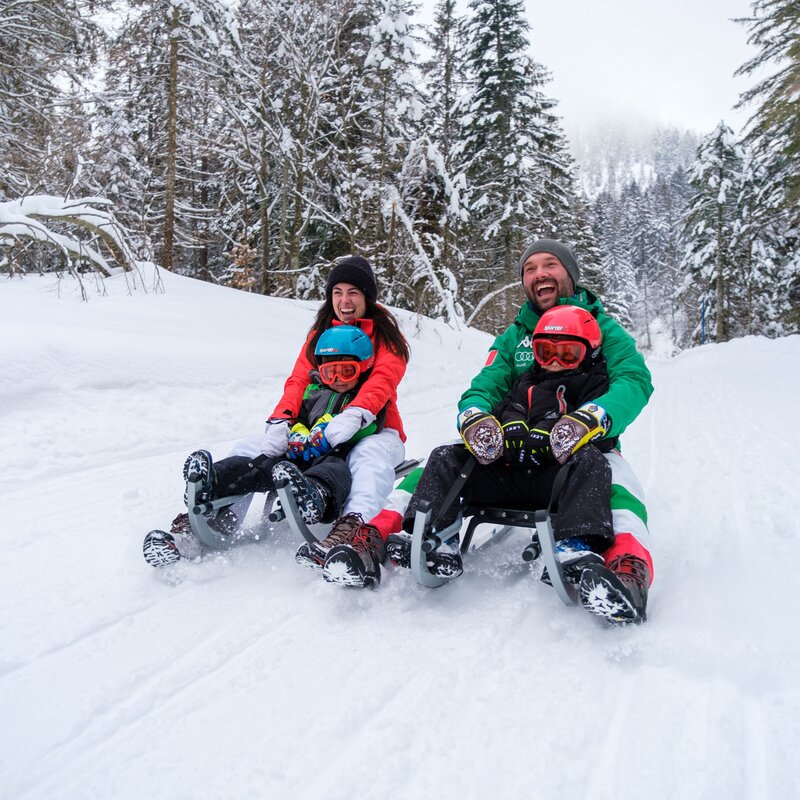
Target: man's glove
{"points": [[536, 449], [514, 434], [574, 430], [482, 435], [347, 424], [298, 442], [275, 438]]}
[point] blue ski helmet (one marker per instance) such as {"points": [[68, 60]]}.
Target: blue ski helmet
{"points": [[346, 340]]}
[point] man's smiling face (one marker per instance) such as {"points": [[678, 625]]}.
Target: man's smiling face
{"points": [[545, 279]]}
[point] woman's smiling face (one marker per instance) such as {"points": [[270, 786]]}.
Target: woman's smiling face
{"points": [[349, 303]]}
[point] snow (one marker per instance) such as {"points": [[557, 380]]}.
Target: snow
{"points": [[252, 678]]}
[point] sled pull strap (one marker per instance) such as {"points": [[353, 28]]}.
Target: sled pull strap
{"points": [[455, 489], [558, 486]]}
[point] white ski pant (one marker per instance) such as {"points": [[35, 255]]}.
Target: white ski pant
{"points": [[628, 510], [371, 462]]}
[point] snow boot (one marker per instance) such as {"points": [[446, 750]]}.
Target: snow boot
{"points": [[199, 468], [443, 563], [574, 555], [342, 532], [357, 563], [617, 592], [161, 549], [312, 496]]}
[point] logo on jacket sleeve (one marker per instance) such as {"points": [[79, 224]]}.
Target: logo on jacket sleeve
{"points": [[490, 358]]}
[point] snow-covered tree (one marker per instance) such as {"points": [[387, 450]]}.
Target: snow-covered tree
{"points": [[710, 261], [46, 50], [773, 137], [167, 66], [511, 145]]}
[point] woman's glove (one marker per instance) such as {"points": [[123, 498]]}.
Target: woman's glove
{"points": [[574, 430], [298, 442], [346, 425], [514, 434], [482, 435], [276, 437]]}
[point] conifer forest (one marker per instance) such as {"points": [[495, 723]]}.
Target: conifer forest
{"points": [[250, 142]]}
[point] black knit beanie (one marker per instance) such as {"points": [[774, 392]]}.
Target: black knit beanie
{"points": [[356, 271], [560, 251]]}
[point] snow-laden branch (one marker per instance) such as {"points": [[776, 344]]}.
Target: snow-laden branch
{"points": [[394, 205], [488, 297], [28, 218]]}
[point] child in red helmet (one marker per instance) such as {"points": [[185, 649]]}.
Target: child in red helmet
{"points": [[567, 372]]}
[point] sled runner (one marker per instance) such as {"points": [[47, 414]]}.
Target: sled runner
{"points": [[539, 522], [279, 505]]}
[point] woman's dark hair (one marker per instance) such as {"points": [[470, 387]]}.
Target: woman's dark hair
{"points": [[387, 331]]}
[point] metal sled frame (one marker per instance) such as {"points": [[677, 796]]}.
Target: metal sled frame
{"points": [[504, 520], [201, 511]]}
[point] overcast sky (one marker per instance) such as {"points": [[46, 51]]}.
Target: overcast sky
{"points": [[669, 62], [641, 61]]}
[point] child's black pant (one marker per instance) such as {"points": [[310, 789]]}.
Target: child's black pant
{"points": [[242, 475], [584, 507]]}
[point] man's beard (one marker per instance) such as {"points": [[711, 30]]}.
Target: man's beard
{"points": [[564, 288]]}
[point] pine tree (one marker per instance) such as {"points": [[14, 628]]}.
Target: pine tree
{"points": [[710, 261], [773, 136], [509, 131], [775, 29]]}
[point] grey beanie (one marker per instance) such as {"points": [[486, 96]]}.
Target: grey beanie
{"points": [[560, 251]]}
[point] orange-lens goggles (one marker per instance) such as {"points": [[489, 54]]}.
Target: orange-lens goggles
{"points": [[345, 371], [567, 354]]}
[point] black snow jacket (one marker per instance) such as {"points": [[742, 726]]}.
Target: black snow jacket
{"points": [[540, 398]]}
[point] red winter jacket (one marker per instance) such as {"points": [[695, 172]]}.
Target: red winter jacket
{"points": [[379, 390]]}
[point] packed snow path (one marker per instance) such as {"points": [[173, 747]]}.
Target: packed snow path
{"points": [[252, 678]]}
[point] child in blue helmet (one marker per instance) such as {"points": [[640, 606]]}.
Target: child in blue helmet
{"points": [[318, 475]]}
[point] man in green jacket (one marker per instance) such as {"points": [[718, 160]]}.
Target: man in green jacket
{"points": [[550, 273]]}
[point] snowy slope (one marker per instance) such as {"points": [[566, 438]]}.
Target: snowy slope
{"points": [[252, 678]]}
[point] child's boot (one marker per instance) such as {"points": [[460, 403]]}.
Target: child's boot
{"points": [[311, 496], [445, 562], [161, 548], [358, 562], [574, 554], [199, 468], [617, 592]]}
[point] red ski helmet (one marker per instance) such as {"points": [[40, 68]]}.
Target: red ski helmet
{"points": [[562, 325]]}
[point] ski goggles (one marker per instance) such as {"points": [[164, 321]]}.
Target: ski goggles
{"points": [[567, 353], [345, 371]]}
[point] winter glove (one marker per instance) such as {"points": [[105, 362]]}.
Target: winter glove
{"points": [[536, 448], [347, 424], [298, 442], [574, 430], [276, 437], [514, 434], [318, 443], [482, 435]]}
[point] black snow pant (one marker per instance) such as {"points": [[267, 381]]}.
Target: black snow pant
{"points": [[584, 503], [242, 475]]}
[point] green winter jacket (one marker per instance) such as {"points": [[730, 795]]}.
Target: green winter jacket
{"points": [[511, 354]]}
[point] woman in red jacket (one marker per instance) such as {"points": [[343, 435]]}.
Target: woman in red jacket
{"points": [[350, 299]]}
